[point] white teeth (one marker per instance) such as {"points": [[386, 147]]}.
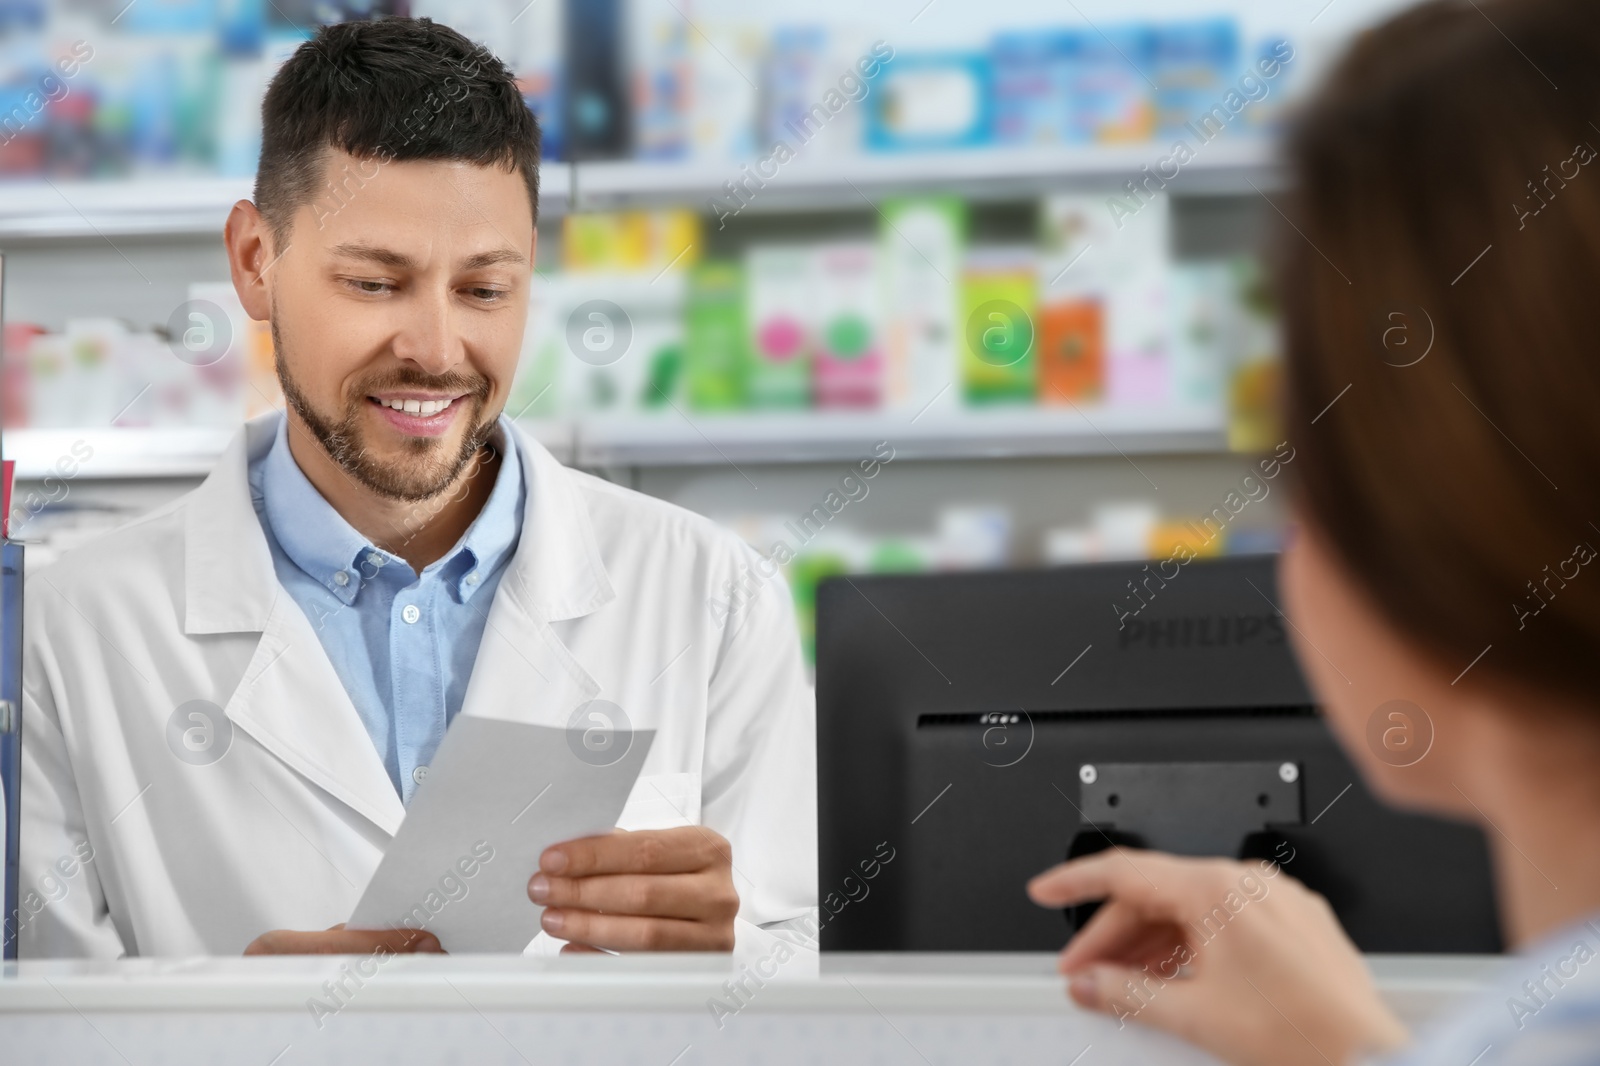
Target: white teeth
{"points": [[417, 407]]}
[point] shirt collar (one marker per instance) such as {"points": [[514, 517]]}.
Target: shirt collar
{"points": [[319, 541]]}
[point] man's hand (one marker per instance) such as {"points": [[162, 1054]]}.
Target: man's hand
{"points": [[342, 941], [1238, 958], [654, 890]]}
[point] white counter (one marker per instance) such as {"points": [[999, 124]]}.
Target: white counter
{"points": [[667, 1010]]}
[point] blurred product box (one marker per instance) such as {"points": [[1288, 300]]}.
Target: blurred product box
{"points": [[1118, 256], [849, 356], [930, 101], [781, 294], [1030, 87], [922, 247], [1192, 64], [998, 293], [1108, 98], [715, 354]]}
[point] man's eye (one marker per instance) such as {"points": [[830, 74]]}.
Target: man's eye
{"points": [[371, 286], [487, 295]]}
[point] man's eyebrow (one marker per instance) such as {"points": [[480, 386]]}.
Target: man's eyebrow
{"points": [[400, 261], [494, 258], [374, 254]]}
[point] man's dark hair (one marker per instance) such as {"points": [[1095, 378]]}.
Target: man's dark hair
{"points": [[388, 89]]}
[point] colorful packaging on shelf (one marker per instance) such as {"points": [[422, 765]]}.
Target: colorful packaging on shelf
{"points": [[1203, 331], [99, 363], [15, 399], [663, 87], [796, 77], [715, 358], [976, 537], [1256, 372], [935, 100], [243, 83], [1030, 87], [630, 241], [1193, 65], [781, 305], [1072, 301], [998, 359], [1072, 361], [1275, 64], [921, 249], [1108, 99], [606, 330], [243, 382], [726, 104], [849, 349], [1114, 249]]}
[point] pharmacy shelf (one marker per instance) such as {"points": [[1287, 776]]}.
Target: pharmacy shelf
{"points": [[161, 206], [155, 206], [113, 452], [1228, 166], [118, 453], [675, 439]]}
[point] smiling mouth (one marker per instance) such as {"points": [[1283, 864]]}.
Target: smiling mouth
{"points": [[423, 408]]}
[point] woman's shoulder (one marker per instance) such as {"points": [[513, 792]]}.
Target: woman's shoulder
{"points": [[1543, 1008]]}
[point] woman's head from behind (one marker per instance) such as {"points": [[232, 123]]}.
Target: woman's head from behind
{"points": [[1441, 292]]}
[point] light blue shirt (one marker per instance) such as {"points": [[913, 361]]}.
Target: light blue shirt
{"points": [[402, 643], [1543, 1009]]}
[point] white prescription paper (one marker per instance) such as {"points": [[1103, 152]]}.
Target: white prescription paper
{"points": [[506, 789]]}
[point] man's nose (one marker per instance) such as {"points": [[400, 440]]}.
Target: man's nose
{"points": [[428, 337]]}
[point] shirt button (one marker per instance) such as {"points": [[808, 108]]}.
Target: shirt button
{"points": [[374, 558], [341, 578], [472, 578], [420, 774], [411, 613]]}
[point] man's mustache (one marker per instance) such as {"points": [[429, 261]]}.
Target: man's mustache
{"points": [[452, 382]]}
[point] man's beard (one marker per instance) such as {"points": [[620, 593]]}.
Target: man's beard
{"points": [[433, 470]]}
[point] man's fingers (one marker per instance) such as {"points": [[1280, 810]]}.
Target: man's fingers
{"points": [[695, 896], [654, 851], [621, 932], [342, 941]]}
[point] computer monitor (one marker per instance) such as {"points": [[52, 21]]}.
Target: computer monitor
{"points": [[974, 729]]}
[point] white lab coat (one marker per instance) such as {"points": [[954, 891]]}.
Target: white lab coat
{"points": [[610, 594]]}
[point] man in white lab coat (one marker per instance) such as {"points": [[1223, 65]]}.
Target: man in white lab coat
{"points": [[229, 702]]}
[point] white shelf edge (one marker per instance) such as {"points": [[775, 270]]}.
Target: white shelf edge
{"points": [[170, 205], [163, 206], [673, 440], [1223, 166]]}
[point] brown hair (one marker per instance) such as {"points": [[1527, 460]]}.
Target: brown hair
{"points": [[1446, 191], [387, 89]]}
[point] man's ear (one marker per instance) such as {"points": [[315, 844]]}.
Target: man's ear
{"points": [[252, 256]]}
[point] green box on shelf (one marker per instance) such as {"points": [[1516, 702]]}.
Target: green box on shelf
{"points": [[998, 359], [716, 353]]}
